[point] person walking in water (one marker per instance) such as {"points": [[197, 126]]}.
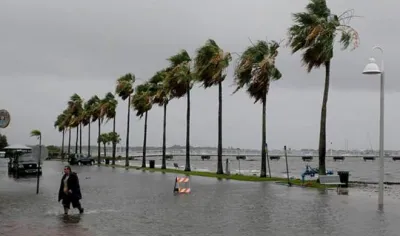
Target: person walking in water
{"points": [[70, 191]]}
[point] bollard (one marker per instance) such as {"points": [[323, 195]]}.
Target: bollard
{"points": [[152, 163], [227, 169]]}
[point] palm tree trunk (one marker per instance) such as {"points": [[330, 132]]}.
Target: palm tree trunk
{"points": [[89, 139], [220, 169], [80, 138], [187, 166], [38, 165], [164, 145], [62, 145], [144, 141], [98, 143], [127, 132], [264, 157], [114, 145], [69, 143], [263, 172], [322, 131], [77, 139], [105, 150]]}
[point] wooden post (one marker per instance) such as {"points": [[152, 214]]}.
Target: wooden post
{"points": [[287, 167]]}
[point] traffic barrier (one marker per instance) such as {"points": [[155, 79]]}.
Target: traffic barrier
{"points": [[182, 185]]}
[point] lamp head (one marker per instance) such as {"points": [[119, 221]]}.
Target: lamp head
{"points": [[371, 68]]}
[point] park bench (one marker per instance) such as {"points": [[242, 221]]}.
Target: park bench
{"points": [[176, 165], [330, 180]]}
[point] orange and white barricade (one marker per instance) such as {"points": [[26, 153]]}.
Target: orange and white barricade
{"points": [[182, 185]]}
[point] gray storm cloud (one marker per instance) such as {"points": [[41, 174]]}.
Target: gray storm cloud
{"points": [[51, 49]]}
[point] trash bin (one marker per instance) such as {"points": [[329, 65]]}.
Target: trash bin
{"points": [[152, 163], [344, 178], [107, 161]]}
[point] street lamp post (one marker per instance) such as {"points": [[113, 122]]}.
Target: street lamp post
{"points": [[373, 69]]}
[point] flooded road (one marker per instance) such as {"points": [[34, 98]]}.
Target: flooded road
{"points": [[119, 202]]}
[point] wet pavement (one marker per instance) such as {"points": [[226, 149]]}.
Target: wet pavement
{"points": [[120, 202]]}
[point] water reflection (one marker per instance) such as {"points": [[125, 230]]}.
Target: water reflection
{"points": [[121, 202], [380, 224], [70, 219], [324, 219]]}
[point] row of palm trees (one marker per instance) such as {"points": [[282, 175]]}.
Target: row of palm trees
{"points": [[313, 33], [107, 138], [79, 114]]}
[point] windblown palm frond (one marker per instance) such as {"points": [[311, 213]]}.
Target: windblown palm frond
{"points": [[91, 110], [75, 104], [86, 117], [108, 107], [60, 122], [210, 63], [95, 107], [159, 88], [142, 99], [75, 108], [113, 137], [315, 30], [256, 68], [179, 76], [104, 138], [36, 133], [125, 86]]}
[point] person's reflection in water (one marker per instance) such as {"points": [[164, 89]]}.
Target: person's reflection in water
{"points": [[70, 219]]}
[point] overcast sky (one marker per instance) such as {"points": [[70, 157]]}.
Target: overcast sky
{"points": [[50, 49]]}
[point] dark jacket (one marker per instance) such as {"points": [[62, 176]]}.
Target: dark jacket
{"points": [[73, 185]]}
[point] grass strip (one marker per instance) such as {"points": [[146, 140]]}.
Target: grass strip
{"points": [[238, 177]]}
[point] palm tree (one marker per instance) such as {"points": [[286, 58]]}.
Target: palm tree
{"points": [[85, 121], [161, 96], [313, 33], [36, 133], [68, 120], [124, 90], [104, 138], [210, 66], [87, 116], [142, 103], [96, 116], [109, 110], [75, 107], [255, 70], [80, 134], [180, 81], [114, 138], [61, 126]]}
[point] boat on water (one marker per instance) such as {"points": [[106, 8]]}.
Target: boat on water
{"points": [[341, 157], [307, 157], [369, 158], [275, 157], [252, 158], [246, 158]]}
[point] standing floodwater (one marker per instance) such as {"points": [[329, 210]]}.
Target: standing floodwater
{"points": [[120, 202]]}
